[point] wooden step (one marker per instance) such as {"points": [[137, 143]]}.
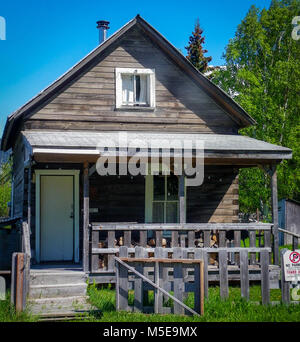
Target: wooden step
{"points": [[56, 278], [52, 306], [57, 290]]}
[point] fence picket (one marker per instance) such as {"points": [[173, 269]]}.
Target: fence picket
{"points": [[244, 274], [138, 282], [95, 257], [200, 254], [110, 244], [265, 280], [252, 243], [178, 281], [123, 281], [223, 274]]}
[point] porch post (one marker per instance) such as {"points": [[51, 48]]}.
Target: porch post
{"points": [[85, 258], [274, 201], [182, 218]]}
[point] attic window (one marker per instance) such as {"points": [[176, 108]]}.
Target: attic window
{"points": [[135, 88]]}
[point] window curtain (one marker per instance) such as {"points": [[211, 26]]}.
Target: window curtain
{"points": [[143, 94], [127, 89]]}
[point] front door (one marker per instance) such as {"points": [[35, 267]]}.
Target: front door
{"points": [[56, 217]]}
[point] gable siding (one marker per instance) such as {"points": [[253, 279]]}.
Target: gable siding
{"points": [[89, 103]]}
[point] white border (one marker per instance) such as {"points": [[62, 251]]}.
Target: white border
{"points": [[38, 174]]}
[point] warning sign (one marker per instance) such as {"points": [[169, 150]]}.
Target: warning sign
{"points": [[291, 260]]}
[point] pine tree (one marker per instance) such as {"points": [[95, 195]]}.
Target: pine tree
{"points": [[196, 51]]}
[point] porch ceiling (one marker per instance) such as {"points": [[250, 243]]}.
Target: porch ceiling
{"points": [[220, 149]]}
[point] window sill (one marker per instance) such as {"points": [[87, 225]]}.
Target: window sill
{"points": [[135, 109]]}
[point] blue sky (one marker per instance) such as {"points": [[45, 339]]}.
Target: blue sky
{"points": [[45, 38]]}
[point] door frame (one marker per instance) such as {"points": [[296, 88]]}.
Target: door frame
{"points": [[38, 174]]}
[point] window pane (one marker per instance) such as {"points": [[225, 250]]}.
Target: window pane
{"points": [[172, 187], [158, 188], [141, 89], [171, 215], [127, 89], [158, 212]]}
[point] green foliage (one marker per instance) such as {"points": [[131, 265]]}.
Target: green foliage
{"points": [[5, 187], [263, 75], [195, 49]]}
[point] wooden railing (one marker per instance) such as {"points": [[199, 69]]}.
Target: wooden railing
{"points": [[106, 239]]}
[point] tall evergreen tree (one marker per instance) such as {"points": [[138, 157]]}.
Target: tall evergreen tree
{"points": [[263, 73], [196, 51]]}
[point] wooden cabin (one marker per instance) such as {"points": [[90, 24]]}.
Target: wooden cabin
{"points": [[133, 82]]}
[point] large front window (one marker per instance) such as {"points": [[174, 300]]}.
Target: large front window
{"points": [[162, 199]]}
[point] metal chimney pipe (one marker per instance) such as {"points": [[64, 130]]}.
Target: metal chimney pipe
{"points": [[102, 25]]}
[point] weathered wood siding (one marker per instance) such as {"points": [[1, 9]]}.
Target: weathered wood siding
{"points": [[117, 199], [89, 103], [123, 199], [18, 178], [216, 200]]}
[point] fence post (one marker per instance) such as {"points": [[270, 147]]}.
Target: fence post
{"points": [[285, 285], [20, 282], [265, 278], [199, 287]]}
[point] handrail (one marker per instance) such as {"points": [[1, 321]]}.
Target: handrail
{"points": [[156, 286], [288, 232], [180, 227]]}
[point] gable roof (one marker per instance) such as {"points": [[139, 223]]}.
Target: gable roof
{"points": [[217, 94]]}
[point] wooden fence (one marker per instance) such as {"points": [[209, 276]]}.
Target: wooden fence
{"points": [[106, 239], [162, 267], [183, 278]]}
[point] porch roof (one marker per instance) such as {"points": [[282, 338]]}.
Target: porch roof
{"points": [[216, 146]]}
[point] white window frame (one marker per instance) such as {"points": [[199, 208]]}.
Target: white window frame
{"points": [[150, 84], [149, 199]]}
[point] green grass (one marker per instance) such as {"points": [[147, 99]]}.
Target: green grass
{"points": [[9, 314], [234, 309]]}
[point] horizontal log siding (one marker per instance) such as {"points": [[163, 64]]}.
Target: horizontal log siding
{"points": [[118, 199], [216, 200], [89, 103]]}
